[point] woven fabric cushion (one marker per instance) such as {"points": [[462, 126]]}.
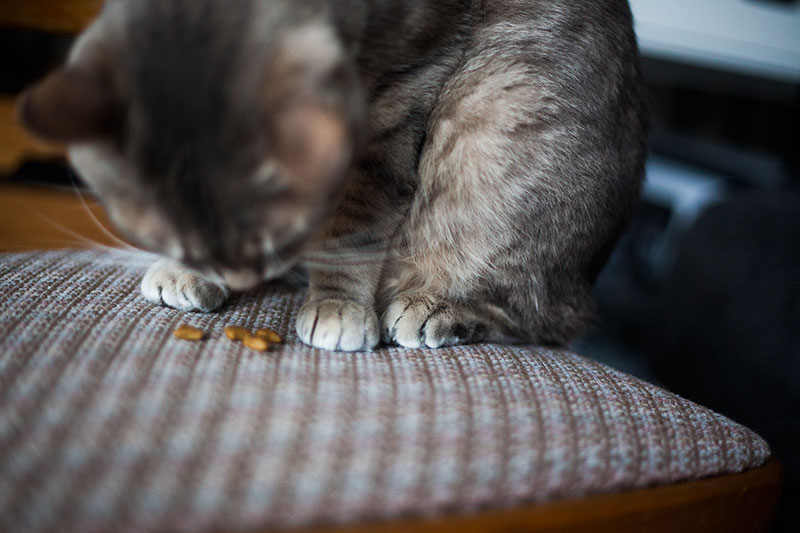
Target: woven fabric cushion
{"points": [[107, 421]]}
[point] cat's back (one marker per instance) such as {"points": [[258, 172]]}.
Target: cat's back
{"points": [[580, 64], [556, 15], [560, 34]]}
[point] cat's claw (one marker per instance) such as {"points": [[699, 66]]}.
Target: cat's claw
{"points": [[342, 325], [168, 283], [419, 321]]}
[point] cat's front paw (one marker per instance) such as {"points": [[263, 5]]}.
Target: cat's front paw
{"points": [[333, 324], [168, 283], [421, 321]]}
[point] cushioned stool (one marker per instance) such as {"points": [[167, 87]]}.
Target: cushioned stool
{"points": [[109, 422]]}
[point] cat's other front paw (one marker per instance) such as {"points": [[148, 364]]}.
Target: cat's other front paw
{"points": [[342, 325], [421, 321], [169, 283]]}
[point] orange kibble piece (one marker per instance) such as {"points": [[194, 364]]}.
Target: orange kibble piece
{"points": [[256, 343], [188, 333], [235, 333], [269, 335]]}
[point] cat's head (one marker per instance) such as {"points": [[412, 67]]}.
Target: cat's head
{"points": [[215, 133]]}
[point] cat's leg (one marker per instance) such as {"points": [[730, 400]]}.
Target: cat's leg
{"points": [[169, 283], [339, 323], [343, 304], [339, 311], [344, 268], [502, 228]]}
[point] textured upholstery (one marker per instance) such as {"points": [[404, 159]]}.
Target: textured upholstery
{"points": [[107, 421]]}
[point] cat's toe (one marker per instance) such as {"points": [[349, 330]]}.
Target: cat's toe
{"points": [[402, 321], [342, 325], [425, 322], [167, 283]]}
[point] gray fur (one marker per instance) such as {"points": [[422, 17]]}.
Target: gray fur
{"points": [[472, 163]]}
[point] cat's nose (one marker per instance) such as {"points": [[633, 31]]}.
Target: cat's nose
{"points": [[240, 280]]}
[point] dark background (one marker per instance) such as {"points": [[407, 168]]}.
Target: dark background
{"points": [[703, 294]]}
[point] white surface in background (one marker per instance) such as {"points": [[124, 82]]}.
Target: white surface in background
{"points": [[681, 188], [754, 37], [685, 191]]}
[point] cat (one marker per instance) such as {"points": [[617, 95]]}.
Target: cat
{"points": [[448, 171]]}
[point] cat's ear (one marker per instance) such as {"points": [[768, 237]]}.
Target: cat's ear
{"points": [[312, 143], [69, 105]]}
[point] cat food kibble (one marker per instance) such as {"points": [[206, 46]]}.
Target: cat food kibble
{"points": [[256, 343], [269, 335], [188, 333], [235, 333]]}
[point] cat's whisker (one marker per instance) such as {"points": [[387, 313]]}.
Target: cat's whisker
{"points": [[97, 222], [333, 252], [339, 262], [92, 244], [364, 237], [354, 259], [325, 267], [356, 242], [367, 235], [131, 258], [78, 238]]}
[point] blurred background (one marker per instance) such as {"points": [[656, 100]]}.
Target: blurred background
{"points": [[703, 294]]}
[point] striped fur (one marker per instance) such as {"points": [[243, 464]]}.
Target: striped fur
{"points": [[449, 171]]}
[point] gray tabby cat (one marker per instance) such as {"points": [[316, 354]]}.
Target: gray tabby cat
{"points": [[449, 171]]}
